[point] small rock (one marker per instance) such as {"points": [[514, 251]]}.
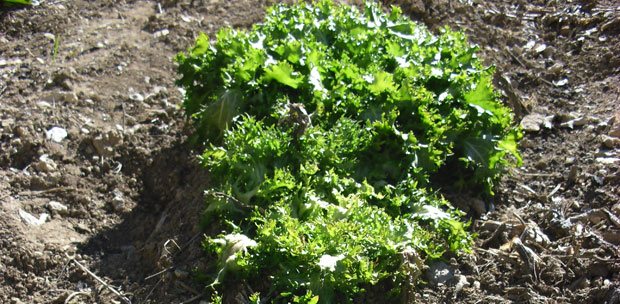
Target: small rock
{"points": [[439, 273], [577, 122], [61, 96], [70, 97], [45, 164], [610, 142], [569, 161], [532, 122], [6, 123], [161, 33], [615, 126], [57, 208], [4, 62], [180, 274], [118, 203], [62, 297], [186, 18], [540, 48], [536, 235], [476, 284], [157, 90], [63, 79], [22, 132], [136, 97], [573, 174], [607, 160], [561, 82], [31, 220], [81, 227], [549, 51], [556, 69], [16, 301], [600, 180], [49, 36], [104, 143], [541, 164], [612, 26], [616, 209], [461, 282], [56, 134], [44, 104]]}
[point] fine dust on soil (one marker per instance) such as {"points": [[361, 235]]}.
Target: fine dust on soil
{"points": [[124, 192]]}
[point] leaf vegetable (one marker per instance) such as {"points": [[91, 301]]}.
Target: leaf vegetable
{"points": [[328, 131]]}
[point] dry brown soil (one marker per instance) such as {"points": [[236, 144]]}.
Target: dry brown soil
{"points": [[123, 190]]}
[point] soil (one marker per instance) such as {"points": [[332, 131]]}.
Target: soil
{"points": [[122, 190]]}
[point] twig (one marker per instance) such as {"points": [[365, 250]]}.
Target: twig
{"points": [[77, 293], [189, 242], [494, 236], [241, 206], [605, 9], [539, 174], [124, 114], [181, 249], [528, 255], [160, 223], [173, 242], [51, 190], [554, 190], [152, 289], [519, 218], [601, 241], [228, 197], [613, 218], [188, 288], [4, 196], [544, 80], [528, 189], [488, 251], [525, 66], [192, 299], [523, 223], [108, 286], [159, 273], [516, 58]]}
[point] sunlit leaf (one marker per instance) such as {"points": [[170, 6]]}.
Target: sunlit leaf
{"points": [[283, 73]]}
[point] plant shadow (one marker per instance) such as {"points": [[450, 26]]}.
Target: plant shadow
{"points": [[157, 245]]}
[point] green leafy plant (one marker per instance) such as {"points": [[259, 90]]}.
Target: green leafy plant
{"points": [[16, 2], [328, 131], [55, 48]]}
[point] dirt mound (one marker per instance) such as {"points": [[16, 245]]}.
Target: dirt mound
{"points": [[94, 166]]}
